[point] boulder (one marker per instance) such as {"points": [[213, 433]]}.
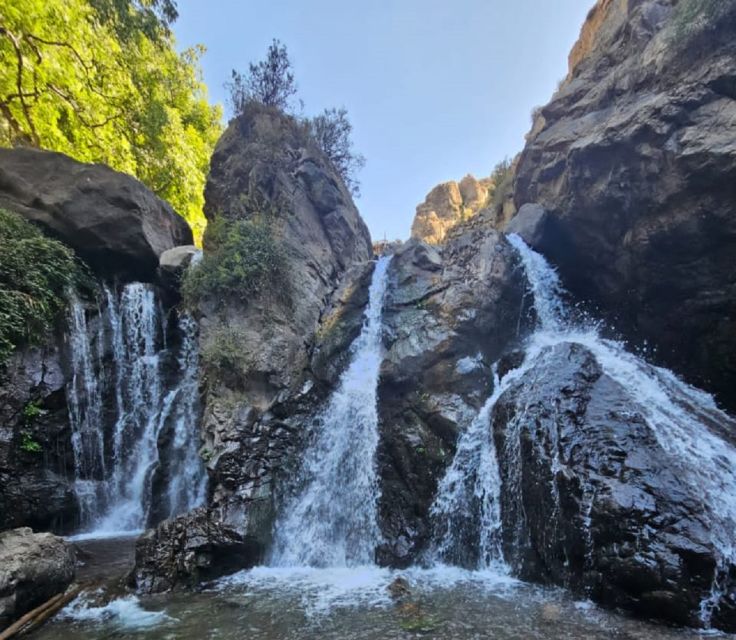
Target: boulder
{"points": [[110, 219], [289, 346], [634, 159], [33, 568], [450, 312], [190, 549], [593, 501]]}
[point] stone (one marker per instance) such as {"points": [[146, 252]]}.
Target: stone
{"points": [[34, 567], [292, 345], [529, 223], [110, 219], [594, 502], [448, 204], [634, 159], [463, 302]]}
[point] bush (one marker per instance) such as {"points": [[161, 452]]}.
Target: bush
{"points": [[35, 272], [242, 259], [223, 350], [503, 181]]}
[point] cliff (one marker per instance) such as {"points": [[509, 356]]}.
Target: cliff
{"points": [[634, 161]]}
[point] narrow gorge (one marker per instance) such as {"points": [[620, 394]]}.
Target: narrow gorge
{"points": [[517, 423]]}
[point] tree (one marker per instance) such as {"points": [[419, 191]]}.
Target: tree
{"points": [[270, 81], [101, 81], [331, 129]]}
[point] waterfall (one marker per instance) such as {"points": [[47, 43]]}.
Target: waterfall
{"points": [[332, 521], [679, 416], [123, 417]]}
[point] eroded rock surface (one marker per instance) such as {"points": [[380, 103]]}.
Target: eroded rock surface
{"points": [[634, 159], [449, 315], [33, 568]]}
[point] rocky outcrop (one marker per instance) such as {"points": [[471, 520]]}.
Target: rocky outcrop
{"points": [[593, 501], [33, 568], [449, 314], [291, 344], [36, 459], [447, 205], [634, 159], [109, 218]]}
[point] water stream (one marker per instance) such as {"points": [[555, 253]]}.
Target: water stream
{"points": [[331, 521], [125, 407]]}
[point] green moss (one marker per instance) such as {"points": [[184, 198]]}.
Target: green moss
{"points": [[243, 259], [691, 16], [29, 445], [35, 272], [31, 412], [223, 350]]}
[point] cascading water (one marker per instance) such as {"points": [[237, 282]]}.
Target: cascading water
{"points": [[119, 410], [332, 521], [681, 418]]}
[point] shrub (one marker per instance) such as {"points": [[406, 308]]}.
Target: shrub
{"points": [[35, 272], [503, 180], [242, 259], [223, 350], [29, 445]]}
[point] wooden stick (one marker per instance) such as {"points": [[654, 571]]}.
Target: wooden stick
{"points": [[36, 617]]}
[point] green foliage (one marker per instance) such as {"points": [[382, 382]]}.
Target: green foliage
{"points": [[503, 181], [270, 82], [29, 445], [332, 130], [31, 412], [243, 259], [101, 81], [223, 350], [35, 272]]}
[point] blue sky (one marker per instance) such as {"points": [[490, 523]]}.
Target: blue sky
{"points": [[435, 89]]}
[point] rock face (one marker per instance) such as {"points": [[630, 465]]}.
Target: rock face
{"points": [[36, 459], [447, 205], [292, 347], [450, 313], [592, 501], [33, 568], [634, 160], [110, 219]]}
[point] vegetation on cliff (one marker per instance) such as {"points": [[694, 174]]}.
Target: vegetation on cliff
{"points": [[271, 82], [101, 81], [243, 260], [35, 272]]}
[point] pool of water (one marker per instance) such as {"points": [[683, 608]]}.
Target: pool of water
{"points": [[353, 604]]}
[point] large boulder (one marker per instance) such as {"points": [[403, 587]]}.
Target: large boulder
{"points": [[110, 219], [449, 314], [634, 159], [33, 568], [594, 500], [290, 345]]}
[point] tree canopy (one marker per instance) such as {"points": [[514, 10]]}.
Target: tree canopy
{"points": [[101, 81]]}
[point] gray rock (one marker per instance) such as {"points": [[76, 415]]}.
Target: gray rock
{"points": [[33, 568], [593, 502], [529, 223], [109, 218], [634, 158]]}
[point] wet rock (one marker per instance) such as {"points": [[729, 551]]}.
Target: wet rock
{"points": [[634, 159], [449, 314], [399, 588], [36, 457], [33, 568], [592, 501], [110, 219], [190, 549]]}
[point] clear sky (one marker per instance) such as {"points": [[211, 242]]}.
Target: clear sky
{"points": [[435, 88]]}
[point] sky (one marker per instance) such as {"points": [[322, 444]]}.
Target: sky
{"points": [[435, 89]]}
